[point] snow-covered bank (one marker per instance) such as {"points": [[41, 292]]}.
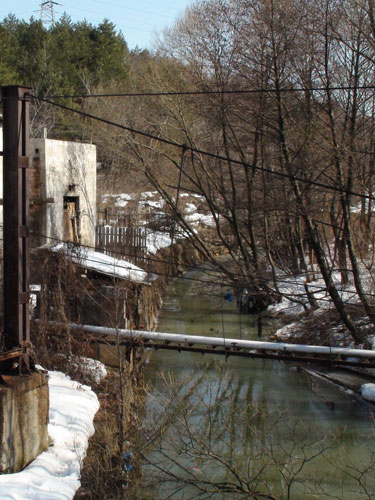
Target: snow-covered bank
{"points": [[368, 392], [101, 263], [313, 319], [54, 474], [294, 298], [191, 206]]}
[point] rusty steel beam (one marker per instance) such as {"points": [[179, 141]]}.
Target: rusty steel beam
{"points": [[16, 147], [226, 343], [6, 356], [137, 343], [224, 346]]}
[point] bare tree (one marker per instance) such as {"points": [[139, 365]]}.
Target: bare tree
{"points": [[284, 160]]}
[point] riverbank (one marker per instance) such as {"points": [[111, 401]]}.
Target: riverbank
{"points": [[105, 473], [320, 324], [110, 469], [358, 385], [105, 470], [308, 315]]}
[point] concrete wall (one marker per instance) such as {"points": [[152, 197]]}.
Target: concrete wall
{"points": [[24, 409], [63, 165], [54, 166]]}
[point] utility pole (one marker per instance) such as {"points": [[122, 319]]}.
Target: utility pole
{"points": [[16, 145], [47, 14]]}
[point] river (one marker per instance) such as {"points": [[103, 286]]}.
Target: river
{"points": [[223, 428]]}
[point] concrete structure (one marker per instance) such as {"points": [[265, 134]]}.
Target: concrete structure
{"points": [[24, 409], [62, 207], [62, 192]]}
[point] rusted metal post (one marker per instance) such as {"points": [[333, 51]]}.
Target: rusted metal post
{"points": [[16, 217]]}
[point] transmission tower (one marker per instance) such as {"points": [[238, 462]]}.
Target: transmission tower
{"points": [[47, 13]]}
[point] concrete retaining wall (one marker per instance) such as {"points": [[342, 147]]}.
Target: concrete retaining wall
{"points": [[63, 169], [24, 409]]}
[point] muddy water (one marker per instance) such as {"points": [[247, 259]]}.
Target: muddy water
{"points": [[293, 435]]}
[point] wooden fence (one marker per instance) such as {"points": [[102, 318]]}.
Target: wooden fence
{"points": [[119, 233], [128, 243], [113, 216]]}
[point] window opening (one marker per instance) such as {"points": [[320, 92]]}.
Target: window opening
{"points": [[71, 219]]}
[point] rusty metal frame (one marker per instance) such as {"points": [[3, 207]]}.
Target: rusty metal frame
{"points": [[16, 148], [16, 353], [136, 343]]}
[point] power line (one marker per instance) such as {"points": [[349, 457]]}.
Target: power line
{"points": [[108, 4], [206, 153], [207, 92], [79, 246], [130, 267], [96, 19], [287, 295]]}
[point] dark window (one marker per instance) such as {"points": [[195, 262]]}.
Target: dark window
{"points": [[71, 219]]}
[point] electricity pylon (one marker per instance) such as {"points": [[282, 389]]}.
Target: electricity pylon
{"points": [[47, 13]]}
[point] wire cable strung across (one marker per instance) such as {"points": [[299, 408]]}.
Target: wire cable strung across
{"points": [[207, 153], [207, 92]]}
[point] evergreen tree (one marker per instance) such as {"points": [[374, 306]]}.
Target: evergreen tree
{"points": [[68, 58]]}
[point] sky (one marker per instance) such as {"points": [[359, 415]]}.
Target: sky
{"points": [[138, 21]]}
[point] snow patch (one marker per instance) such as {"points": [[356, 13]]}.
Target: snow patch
{"points": [[368, 392], [91, 368], [148, 194], [55, 473], [208, 220], [288, 330], [294, 300], [120, 200], [369, 205], [102, 263], [190, 207], [152, 204], [157, 240]]}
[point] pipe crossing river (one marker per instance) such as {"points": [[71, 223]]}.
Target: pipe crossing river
{"points": [[267, 425], [231, 346]]}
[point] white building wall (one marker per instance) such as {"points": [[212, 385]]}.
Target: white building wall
{"points": [[63, 165]]}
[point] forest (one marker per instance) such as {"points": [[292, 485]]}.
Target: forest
{"points": [[259, 114], [262, 109]]}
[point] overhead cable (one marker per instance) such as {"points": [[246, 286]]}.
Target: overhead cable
{"points": [[207, 153], [207, 92]]}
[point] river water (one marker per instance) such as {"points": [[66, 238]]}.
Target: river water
{"points": [[264, 425]]}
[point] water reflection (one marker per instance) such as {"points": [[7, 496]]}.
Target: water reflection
{"points": [[255, 427]]}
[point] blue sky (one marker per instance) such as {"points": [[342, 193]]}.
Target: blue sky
{"points": [[138, 21]]}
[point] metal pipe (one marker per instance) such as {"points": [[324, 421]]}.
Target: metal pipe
{"points": [[241, 354], [225, 342]]}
